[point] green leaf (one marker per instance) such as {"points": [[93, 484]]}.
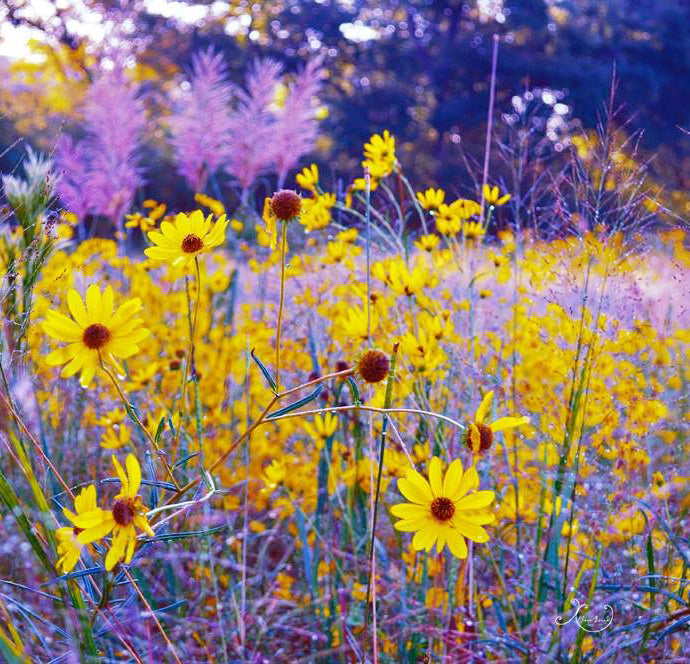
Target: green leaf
{"points": [[298, 404], [264, 371]]}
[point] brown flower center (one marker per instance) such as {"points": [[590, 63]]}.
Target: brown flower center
{"points": [[123, 512], [192, 243], [96, 336], [442, 508], [486, 438]]}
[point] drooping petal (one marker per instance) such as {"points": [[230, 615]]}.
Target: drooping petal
{"points": [[504, 423], [142, 523], [117, 549], [471, 530], [425, 538], [457, 545], [484, 407], [96, 532]]}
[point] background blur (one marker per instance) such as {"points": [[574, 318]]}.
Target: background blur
{"points": [[418, 68]]}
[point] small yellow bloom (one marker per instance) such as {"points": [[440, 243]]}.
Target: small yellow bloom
{"points": [[68, 547], [492, 196], [127, 514], [309, 178], [95, 334], [427, 242], [479, 436], [446, 510], [211, 203], [431, 199], [380, 152], [180, 243], [115, 438]]}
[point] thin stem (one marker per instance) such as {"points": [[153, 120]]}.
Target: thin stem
{"points": [[489, 125], [384, 430], [367, 179], [282, 300], [132, 413], [153, 615]]}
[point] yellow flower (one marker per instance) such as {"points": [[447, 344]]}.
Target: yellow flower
{"points": [[445, 510], [473, 230], [491, 196], [138, 220], [448, 220], [68, 548], [322, 428], [271, 221], [380, 151], [431, 199], [95, 334], [354, 323], [316, 212], [427, 242], [211, 203], [114, 438], [180, 243], [126, 515], [479, 436], [274, 473], [309, 178]]}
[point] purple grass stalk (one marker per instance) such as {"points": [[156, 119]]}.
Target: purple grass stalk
{"points": [[296, 126], [201, 127], [252, 126]]}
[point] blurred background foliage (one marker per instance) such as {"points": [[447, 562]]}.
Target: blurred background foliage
{"points": [[418, 68]]}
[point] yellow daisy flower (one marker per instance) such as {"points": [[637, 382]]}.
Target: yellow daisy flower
{"points": [[492, 196], [445, 510], [479, 436], [68, 547], [380, 151], [180, 243], [126, 515], [431, 199], [309, 178], [95, 334]]}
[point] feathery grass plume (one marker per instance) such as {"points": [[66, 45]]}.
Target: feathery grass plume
{"points": [[296, 125], [115, 119], [110, 171], [201, 127], [253, 126], [72, 164]]}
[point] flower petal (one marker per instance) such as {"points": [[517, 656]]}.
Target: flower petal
{"points": [[452, 477], [476, 501], [504, 423], [415, 488], [134, 475], [435, 480], [484, 407]]}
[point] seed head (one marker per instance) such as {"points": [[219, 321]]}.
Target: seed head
{"points": [[286, 204], [373, 366]]}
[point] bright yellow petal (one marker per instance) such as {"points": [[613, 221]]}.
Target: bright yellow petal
{"points": [[77, 308], [93, 304], [484, 407], [410, 511], [476, 501], [471, 531], [435, 480], [452, 477], [410, 525], [457, 545], [117, 549], [415, 488], [469, 481], [504, 423], [124, 491], [133, 475]]}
